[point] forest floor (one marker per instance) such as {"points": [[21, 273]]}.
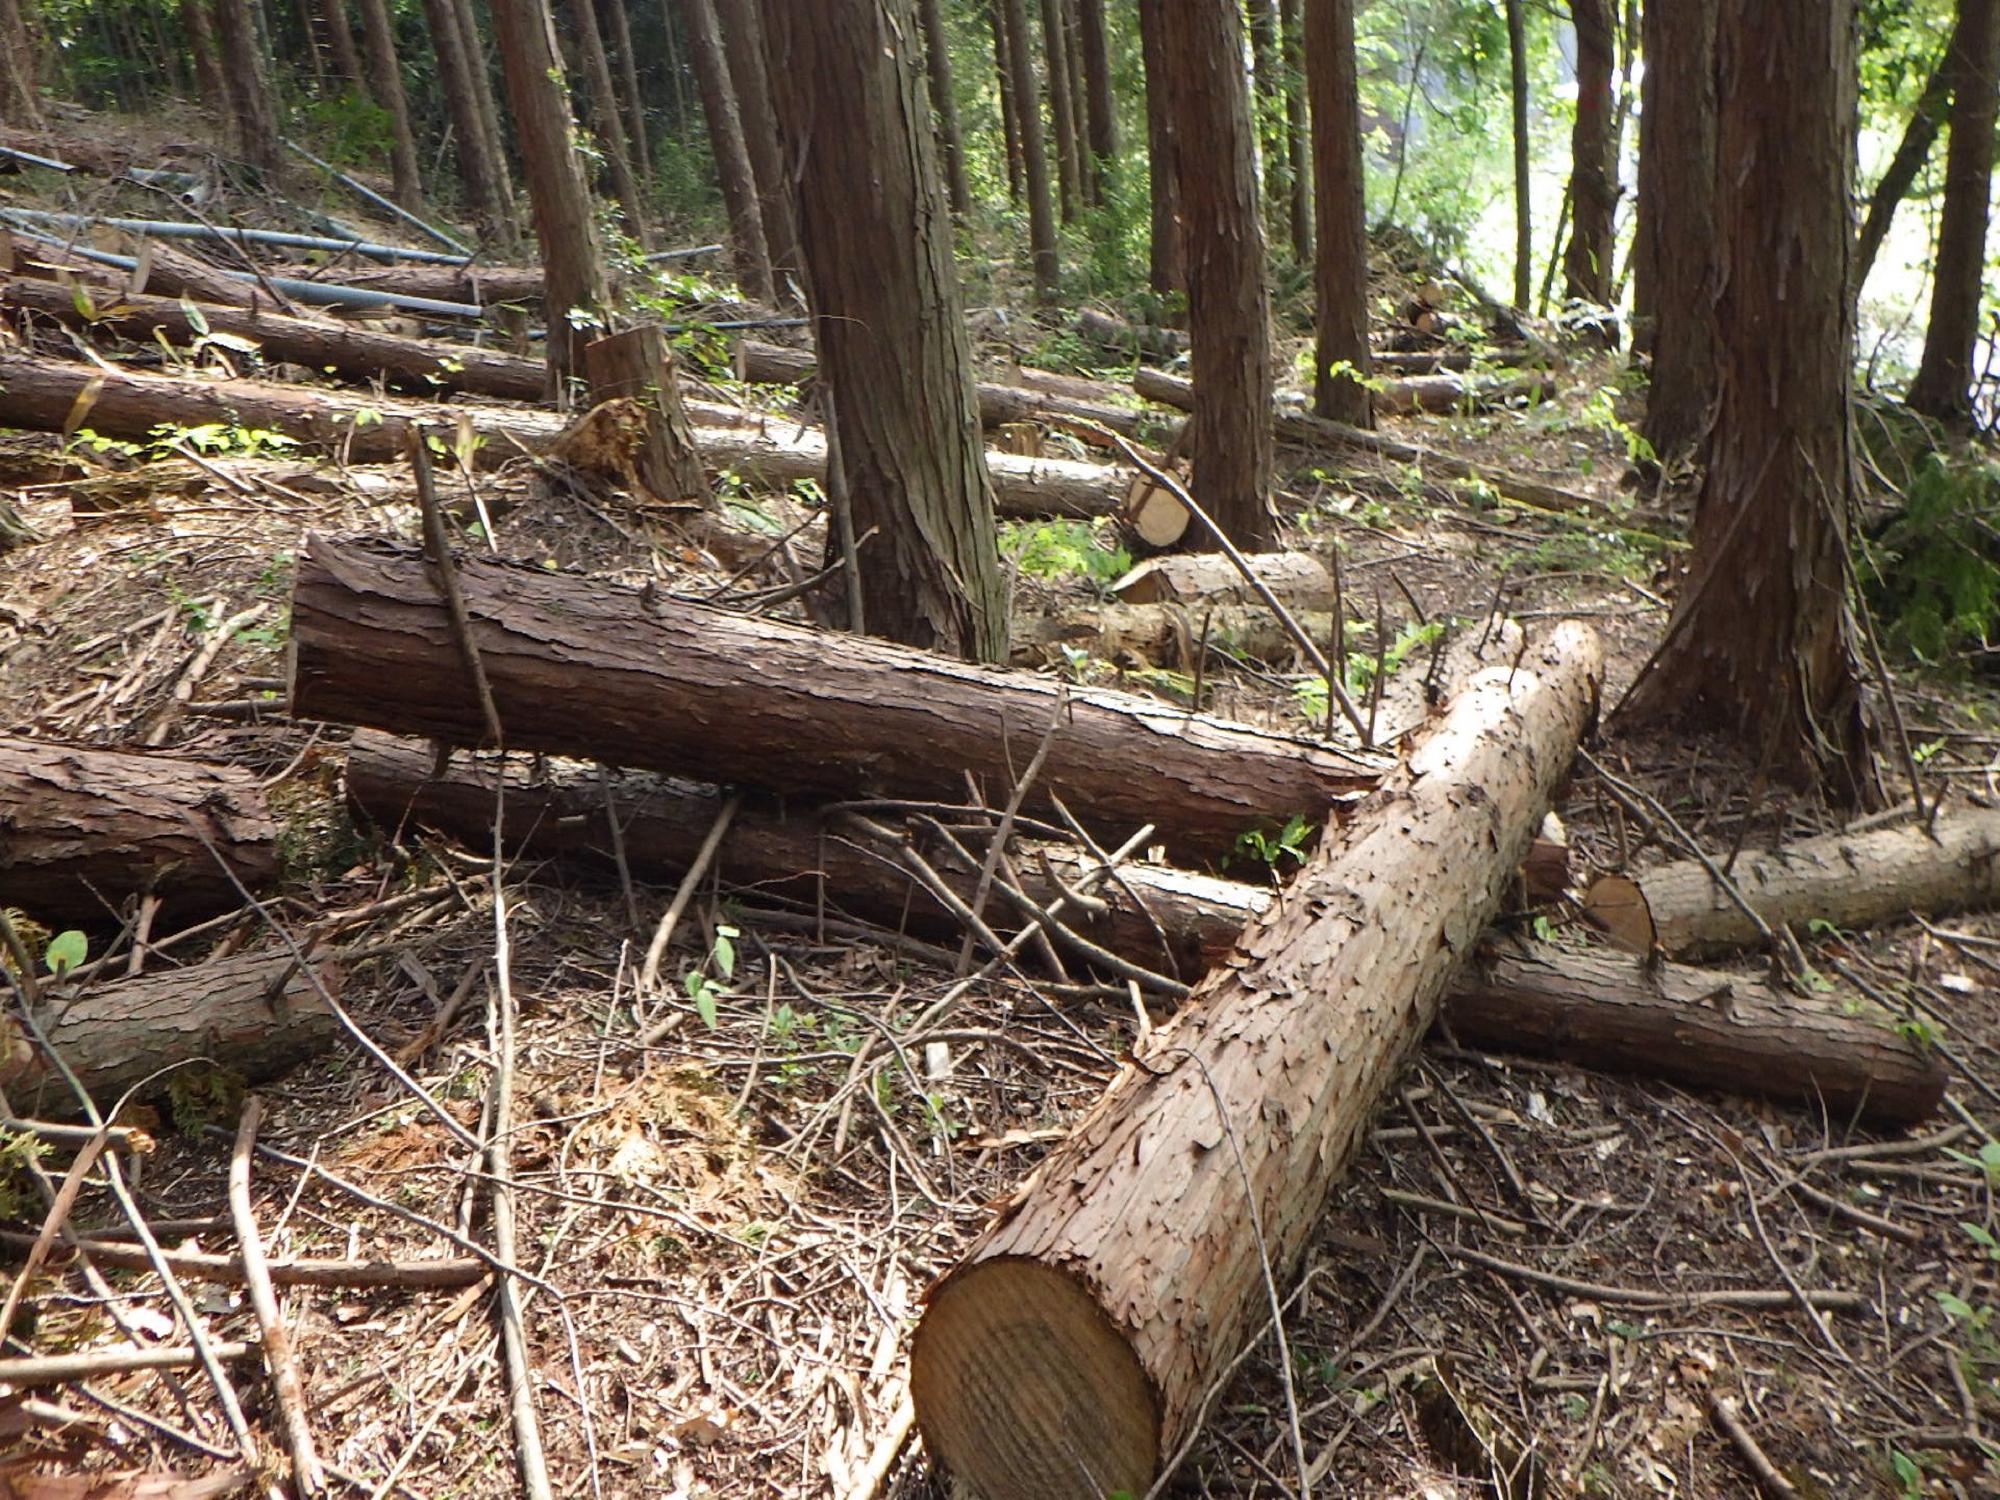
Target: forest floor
{"points": [[732, 1229]]}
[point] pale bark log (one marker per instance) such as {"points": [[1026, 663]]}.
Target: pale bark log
{"points": [[704, 692], [1069, 1352], [1210, 577]]}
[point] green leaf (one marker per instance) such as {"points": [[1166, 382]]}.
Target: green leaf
{"points": [[704, 1005], [725, 950], [65, 951], [194, 316], [1955, 1307]]}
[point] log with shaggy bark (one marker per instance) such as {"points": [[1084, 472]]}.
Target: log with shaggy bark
{"points": [[352, 350], [1695, 1027], [1070, 1351], [251, 1016], [480, 285], [81, 830], [581, 668]]}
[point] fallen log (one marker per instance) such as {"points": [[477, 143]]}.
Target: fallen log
{"points": [[81, 830], [251, 1016], [1694, 1027], [1317, 432], [1297, 578], [355, 351], [580, 668], [1443, 393], [1849, 880], [1130, 338], [480, 285], [1166, 635], [1071, 1349]]}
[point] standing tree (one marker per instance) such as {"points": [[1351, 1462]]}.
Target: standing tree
{"points": [[1214, 164], [1010, 128], [1034, 158], [1593, 175], [608, 123], [385, 82], [1919, 135], [893, 351], [749, 72], [1944, 375], [574, 288], [1674, 251], [1760, 642], [1055, 47], [209, 82], [19, 104], [477, 172], [1298, 148], [1517, 76], [937, 64], [253, 107], [1102, 112], [732, 156], [1340, 274], [1168, 257], [636, 132], [340, 38], [477, 55]]}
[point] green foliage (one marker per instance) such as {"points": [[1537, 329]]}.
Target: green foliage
{"points": [[1271, 848], [66, 951], [348, 129], [1063, 549], [202, 1096], [19, 1155], [1309, 695], [1932, 574]]}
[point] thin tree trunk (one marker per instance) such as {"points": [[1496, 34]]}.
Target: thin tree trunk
{"points": [[309, 34], [636, 131], [1340, 274], [247, 77], [605, 118], [201, 42], [743, 43], [1102, 111], [340, 38], [732, 157], [1760, 643], [538, 96], [1524, 234], [1944, 375], [1079, 103], [1168, 255], [1267, 108], [1298, 149], [385, 82], [893, 350], [1056, 50], [944, 105], [477, 52], [1593, 143], [1034, 157], [1926, 120], [1229, 306], [475, 171], [1010, 125]]}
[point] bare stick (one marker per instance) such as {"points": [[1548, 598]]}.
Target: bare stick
{"points": [[439, 548], [227, 1270], [59, 1369], [52, 1223], [1722, 1411], [882, 1457], [649, 976]]}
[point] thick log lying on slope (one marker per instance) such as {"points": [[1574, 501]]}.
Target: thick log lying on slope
{"points": [[1297, 578], [1317, 432], [480, 285], [77, 825], [1694, 1027], [253, 1015], [580, 668], [1166, 635], [1069, 1352], [1442, 393], [1850, 880], [352, 350]]}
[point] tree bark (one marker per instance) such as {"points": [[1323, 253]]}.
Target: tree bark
{"points": [[574, 283], [210, 84], [1079, 102], [890, 328], [704, 692], [1593, 177], [483, 93], [1695, 1027], [1926, 120], [253, 107], [607, 122], [944, 104], [81, 825], [1298, 134], [1168, 254], [20, 102], [477, 174], [638, 365], [1034, 154], [1760, 643], [1071, 1349], [749, 71], [1942, 387], [477, 284], [1267, 106], [340, 38], [1010, 125], [1675, 246], [1100, 108], [253, 1016], [634, 101], [385, 82], [1229, 305], [1055, 51], [1340, 274], [1517, 83], [733, 171]]}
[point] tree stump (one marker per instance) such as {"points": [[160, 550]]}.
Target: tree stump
{"points": [[639, 365]]}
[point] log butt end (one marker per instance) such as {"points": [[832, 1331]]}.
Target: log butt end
{"points": [[1026, 1391]]}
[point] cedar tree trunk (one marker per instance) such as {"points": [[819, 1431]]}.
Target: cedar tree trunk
{"points": [[1298, 134], [340, 37], [1593, 177], [1055, 48], [201, 42], [749, 72], [1101, 110], [247, 76], [1168, 263], [385, 82], [732, 155], [636, 132], [477, 173], [1010, 128], [937, 63], [1911, 153], [476, 52], [1034, 154], [1524, 236], [1340, 274], [605, 117]]}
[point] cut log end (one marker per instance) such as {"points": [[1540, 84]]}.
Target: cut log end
{"points": [[1156, 518], [1020, 1379]]}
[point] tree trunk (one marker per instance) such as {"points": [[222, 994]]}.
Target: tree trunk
{"points": [[636, 132], [1072, 1348], [20, 102], [1055, 49], [253, 1015], [1010, 125], [1926, 120], [894, 356], [1517, 76], [247, 76], [1942, 387], [1340, 274], [606, 122], [638, 365], [214, 89], [1229, 306], [1034, 155], [1593, 178], [1168, 254], [353, 349], [385, 82], [1100, 108], [1267, 105], [732, 155], [749, 71], [477, 173], [573, 268], [477, 52], [340, 38], [1675, 254], [87, 828], [1298, 134], [705, 692], [1760, 642], [944, 104]]}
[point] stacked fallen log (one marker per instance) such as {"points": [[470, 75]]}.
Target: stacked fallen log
{"points": [[82, 830], [1067, 1355], [479, 285], [1695, 1027], [1296, 578], [703, 692]]}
